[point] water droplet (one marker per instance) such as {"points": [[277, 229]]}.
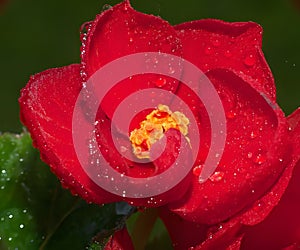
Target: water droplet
{"points": [[171, 70], [85, 28], [227, 53], [123, 149], [106, 7], [259, 158], [208, 51], [217, 176], [249, 60], [231, 114], [21, 226], [10, 216], [216, 43], [250, 155], [21, 160], [160, 82], [253, 135], [3, 171], [130, 39], [197, 170]]}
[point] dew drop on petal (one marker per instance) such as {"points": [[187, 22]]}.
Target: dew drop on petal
{"points": [[85, 28], [249, 60], [197, 170], [253, 135], [227, 53], [160, 82], [249, 155], [123, 149], [106, 7], [231, 114], [259, 158], [217, 176], [216, 42], [171, 70], [208, 50]]}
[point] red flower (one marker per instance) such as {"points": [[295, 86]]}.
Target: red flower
{"points": [[260, 151], [120, 240]]}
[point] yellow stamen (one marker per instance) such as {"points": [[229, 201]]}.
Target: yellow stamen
{"points": [[153, 127]]}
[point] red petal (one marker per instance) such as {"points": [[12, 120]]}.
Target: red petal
{"points": [[282, 227], [278, 228], [119, 241], [254, 157], [294, 246], [189, 235], [264, 206], [143, 170], [122, 31], [47, 104], [223, 239], [233, 46], [183, 233]]}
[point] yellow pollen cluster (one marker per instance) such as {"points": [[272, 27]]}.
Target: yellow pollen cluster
{"points": [[153, 127]]}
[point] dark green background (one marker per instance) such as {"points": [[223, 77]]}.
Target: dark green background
{"points": [[36, 35]]}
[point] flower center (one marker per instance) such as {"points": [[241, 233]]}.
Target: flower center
{"points": [[153, 128]]}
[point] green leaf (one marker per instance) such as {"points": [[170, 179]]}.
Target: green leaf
{"points": [[159, 237], [37, 213]]}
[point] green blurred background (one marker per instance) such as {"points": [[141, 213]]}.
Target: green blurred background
{"points": [[36, 35]]}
